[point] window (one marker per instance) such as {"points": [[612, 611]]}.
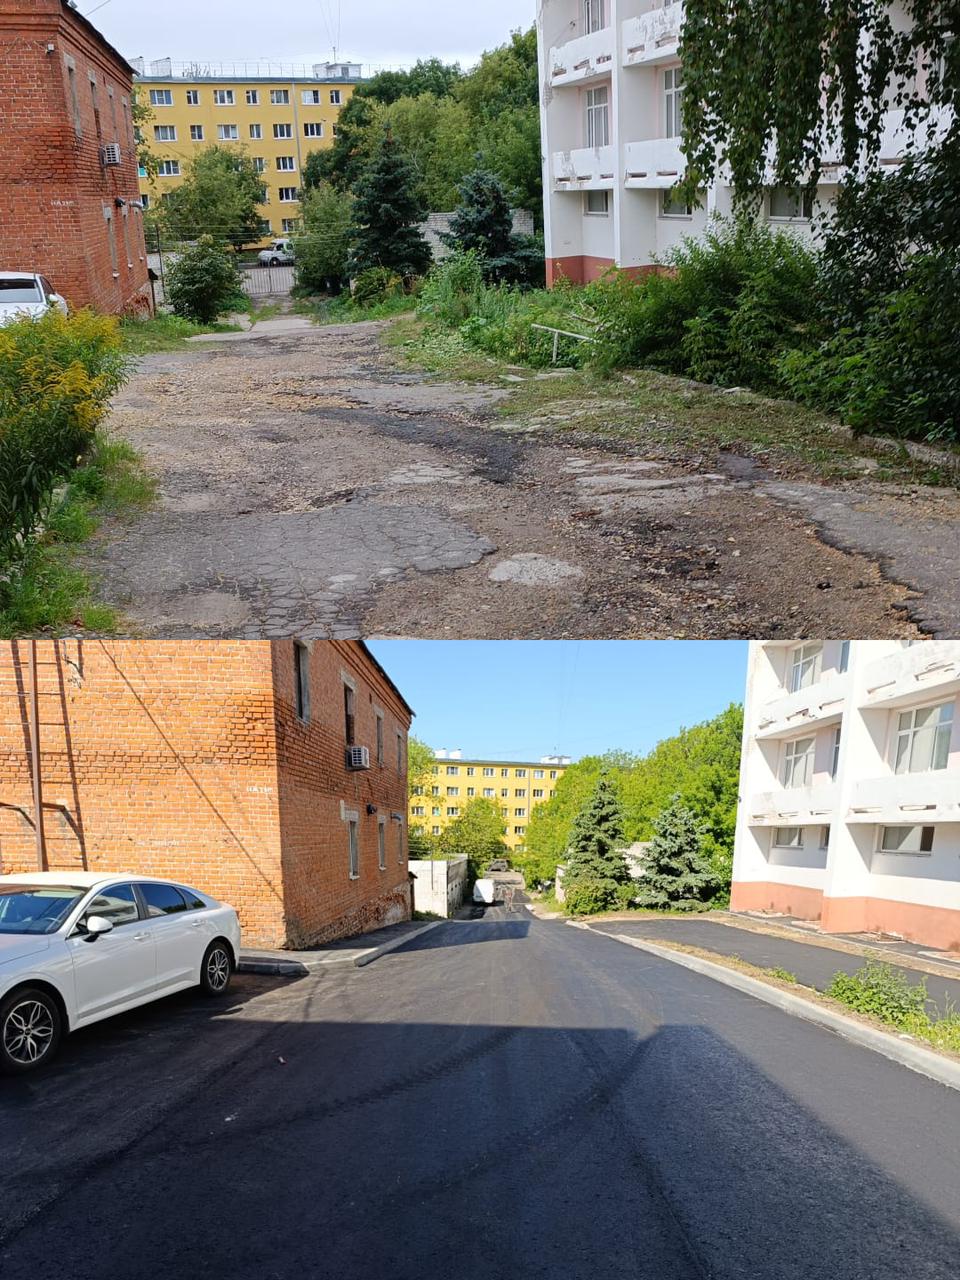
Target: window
{"points": [[553, 774], [453, 813], [797, 770], [791, 202], [521, 773], [380, 740], [673, 102], [418, 791], [280, 97], [301, 669], [435, 791], [538, 773], [312, 98], [96, 104], [193, 98], [418, 811], [435, 830], [223, 97], [843, 662], [118, 904], [256, 132], [349, 715], [598, 117], [538, 793], [520, 793], [353, 839], [835, 753], [471, 791], [196, 133], [674, 206], [788, 838], [399, 753], [289, 195], [228, 132], [161, 98], [74, 96], [435, 811], [489, 792], [400, 849], [915, 840], [519, 813], [336, 97], [283, 130], [805, 662], [382, 844], [334, 131], [313, 130], [825, 837], [253, 97], [923, 739], [504, 793], [488, 773], [162, 900], [453, 791], [259, 164], [453, 770], [111, 239], [193, 900], [470, 771], [594, 15], [125, 224], [504, 773], [286, 164], [518, 831], [165, 132], [144, 200]]}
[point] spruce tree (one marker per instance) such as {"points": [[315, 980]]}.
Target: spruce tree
{"points": [[387, 213], [596, 867], [678, 873], [483, 222]]}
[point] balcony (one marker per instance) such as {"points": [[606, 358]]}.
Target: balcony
{"points": [[653, 37], [797, 807], [909, 799], [818, 705], [907, 676], [587, 169], [896, 141], [655, 164], [586, 58]]}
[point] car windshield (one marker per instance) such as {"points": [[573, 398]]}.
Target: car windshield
{"points": [[25, 290], [36, 908]]}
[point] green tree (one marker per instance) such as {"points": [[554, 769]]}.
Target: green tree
{"points": [[203, 282], [385, 227], [142, 115], [323, 248], [596, 869], [678, 872], [483, 222], [220, 197], [477, 834]]}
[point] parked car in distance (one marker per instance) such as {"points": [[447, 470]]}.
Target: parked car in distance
{"points": [[485, 891], [24, 294], [280, 254], [76, 947], [498, 864]]}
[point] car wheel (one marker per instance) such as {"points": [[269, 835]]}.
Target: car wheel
{"points": [[30, 1030], [275, 262], [217, 969]]}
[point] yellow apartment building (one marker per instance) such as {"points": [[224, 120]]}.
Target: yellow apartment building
{"points": [[278, 119], [516, 786]]}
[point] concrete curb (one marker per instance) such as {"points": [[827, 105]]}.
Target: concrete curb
{"points": [[301, 963], [908, 1054], [396, 943]]}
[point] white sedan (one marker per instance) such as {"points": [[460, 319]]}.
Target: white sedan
{"points": [[25, 296], [76, 947]]}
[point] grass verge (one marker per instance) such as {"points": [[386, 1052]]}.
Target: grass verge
{"points": [[45, 590], [165, 333], [672, 418], [341, 310]]}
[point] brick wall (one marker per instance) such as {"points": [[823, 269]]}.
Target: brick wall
{"points": [[54, 191], [318, 794], [188, 760]]}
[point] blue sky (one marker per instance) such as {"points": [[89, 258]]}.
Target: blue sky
{"points": [[303, 31], [526, 699]]}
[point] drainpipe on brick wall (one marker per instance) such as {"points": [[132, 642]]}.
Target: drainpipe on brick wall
{"points": [[35, 761]]}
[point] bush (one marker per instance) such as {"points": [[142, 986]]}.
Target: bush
{"points": [[451, 292], [589, 897], [204, 282], [322, 250], [375, 286], [883, 992], [57, 375]]}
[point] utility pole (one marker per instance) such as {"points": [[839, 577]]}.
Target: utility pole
{"points": [[163, 282], [35, 761]]}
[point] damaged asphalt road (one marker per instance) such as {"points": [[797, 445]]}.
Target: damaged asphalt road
{"points": [[309, 485]]}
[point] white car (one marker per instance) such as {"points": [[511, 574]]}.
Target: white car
{"points": [[25, 295], [76, 947], [280, 254]]}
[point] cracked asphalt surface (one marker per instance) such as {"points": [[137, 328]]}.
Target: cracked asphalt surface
{"points": [[500, 1097], [311, 486]]}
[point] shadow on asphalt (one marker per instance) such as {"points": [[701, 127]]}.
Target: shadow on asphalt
{"points": [[465, 933]]}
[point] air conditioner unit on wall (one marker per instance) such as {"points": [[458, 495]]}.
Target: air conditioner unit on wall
{"points": [[358, 757], [110, 155]]}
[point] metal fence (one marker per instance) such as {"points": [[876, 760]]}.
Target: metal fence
{"points": [[262, 282]]}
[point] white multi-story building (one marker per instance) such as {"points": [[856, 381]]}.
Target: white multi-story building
{"points": [[850, 787], [611, 96]]}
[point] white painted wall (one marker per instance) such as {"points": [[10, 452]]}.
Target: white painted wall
{"points": [[440, 885]]}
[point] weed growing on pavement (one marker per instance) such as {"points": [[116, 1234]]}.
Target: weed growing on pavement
{"points": [[164, 332], [883, 992], [782, 975]]}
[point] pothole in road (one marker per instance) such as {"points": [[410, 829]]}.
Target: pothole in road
{"points": [[529, 569]]}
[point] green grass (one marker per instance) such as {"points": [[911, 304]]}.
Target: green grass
{"points": [[45, 591], [671, 417], [165, 332], [324, 311], [782, 975]]}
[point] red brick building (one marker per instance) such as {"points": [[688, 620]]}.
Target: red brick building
{"points": [[224, 764], [69, 183]]}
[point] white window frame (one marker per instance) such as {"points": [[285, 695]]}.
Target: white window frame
{"points": [[313, 129], [256, 133], [352, 820], [224, 98], [312, 98], [401, 842], [196, 133], [779, 842], [843, 658], [260, 164], [281, 131], [939, 732], [835, 752], [594, 16], [252, 97], [597, 116], [292, 197], [825, 837], [916, 835], [169, 168], [800, 199], [382, 844], [279, 97], [673, 102], [796, 762], [453, 791], [336, 98], [224, 134], [668, 200], [161, 97], [193, 97], [286, 164], [806, 664], [453, 812], [164, 133], [490, 793]]}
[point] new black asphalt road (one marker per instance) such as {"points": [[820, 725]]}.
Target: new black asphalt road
{"points": [[501, 1098]]}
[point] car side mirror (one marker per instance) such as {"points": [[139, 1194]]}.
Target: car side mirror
{"points": [[98, 925]]}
